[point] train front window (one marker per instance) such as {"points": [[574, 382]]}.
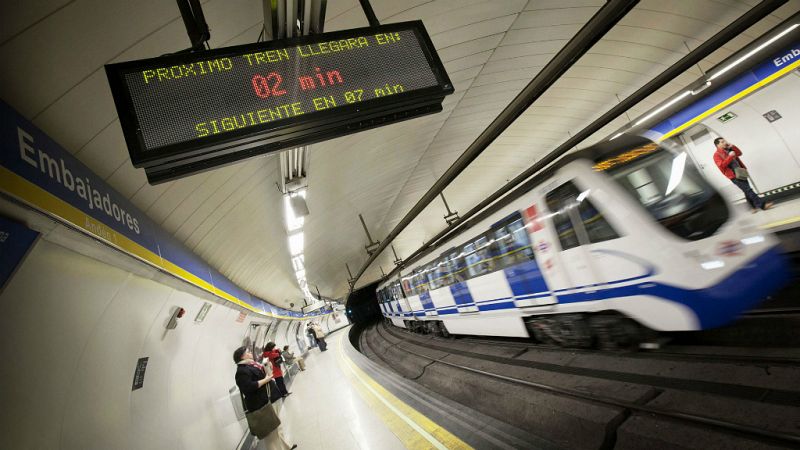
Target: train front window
{"points": [[673, 192]]}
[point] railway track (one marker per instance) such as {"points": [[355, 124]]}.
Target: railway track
{"points": [[566, 372], [744, 355]]}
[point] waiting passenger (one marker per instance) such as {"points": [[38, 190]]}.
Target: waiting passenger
{"points": [[320, 336], [311, 338], [290, 359], [727, 159], [274, 356], [252, 380]]}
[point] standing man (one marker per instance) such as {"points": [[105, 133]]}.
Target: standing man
{"points": [[311, 337], [320, 335], [727, 159]]}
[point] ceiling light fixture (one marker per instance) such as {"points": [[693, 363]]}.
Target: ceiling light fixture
{"points": [[296, 243], [753, 52], [663, 107]]}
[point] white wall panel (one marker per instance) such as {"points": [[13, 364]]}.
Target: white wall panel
{"points": [[73, 330], [44, 335]]}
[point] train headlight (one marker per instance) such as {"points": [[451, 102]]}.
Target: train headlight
{"points": [[750, 240], [711, 265]]}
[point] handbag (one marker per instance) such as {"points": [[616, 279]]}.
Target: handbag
{"points": [[263, 421], [741, 173]]}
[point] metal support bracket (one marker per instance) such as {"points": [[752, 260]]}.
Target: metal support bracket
{"points": [[373, 245], [351, 281], [451, 216], [397, 261]]}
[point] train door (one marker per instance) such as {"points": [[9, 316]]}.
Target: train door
{"points": [[574, 260], [398, 298]]}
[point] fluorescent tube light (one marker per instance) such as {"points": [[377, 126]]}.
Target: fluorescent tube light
{"points": [[663, 107], [296, 244], [753, 52]]}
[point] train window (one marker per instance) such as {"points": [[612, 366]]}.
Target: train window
{"points": [[673, 192], [511, 239], [407, 288], [457, 266], [425, 279], [420, 282], [435, 275], [558, 201], [478, 257], [443, 277], [597, 228], [569, 200], [413, 281]]}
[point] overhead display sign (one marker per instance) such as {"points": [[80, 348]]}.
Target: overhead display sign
{"points": [[184, 113]]}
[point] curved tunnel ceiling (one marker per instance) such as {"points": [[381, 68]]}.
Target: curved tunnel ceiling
{"points": [[54, 52]]}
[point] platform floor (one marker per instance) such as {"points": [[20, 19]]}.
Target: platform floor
{"points": [[784, 215], [335, 405], [326, 411]]}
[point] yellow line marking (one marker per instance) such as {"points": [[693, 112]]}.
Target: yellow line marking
{"points": [[781, 222], [413, 428], [50, 204], [732, 99]]}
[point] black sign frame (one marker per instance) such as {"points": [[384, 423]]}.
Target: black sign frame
{"points": [[299, 130], [138, 373]]}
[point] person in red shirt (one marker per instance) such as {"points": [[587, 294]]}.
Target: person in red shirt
{"points": [[727, 160], [274, 356]]}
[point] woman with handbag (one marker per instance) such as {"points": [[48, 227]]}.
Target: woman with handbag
{"points": [[726, 157], [253, 380]]}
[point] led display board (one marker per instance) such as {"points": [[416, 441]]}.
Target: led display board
{"points": [[189, 112]]}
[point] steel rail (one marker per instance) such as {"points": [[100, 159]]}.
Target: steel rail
{"points": [[670, 352], [691, 418]]}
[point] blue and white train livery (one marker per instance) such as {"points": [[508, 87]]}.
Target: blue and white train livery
{"points": [[618, 237]]}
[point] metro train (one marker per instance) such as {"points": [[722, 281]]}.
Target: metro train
{"points": [[610, 244]]}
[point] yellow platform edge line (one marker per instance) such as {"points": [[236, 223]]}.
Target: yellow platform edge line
{"points": [[399, 416], [50, 204], [780, 222]]}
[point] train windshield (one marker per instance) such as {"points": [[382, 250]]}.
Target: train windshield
{"points": [[671, 190]]}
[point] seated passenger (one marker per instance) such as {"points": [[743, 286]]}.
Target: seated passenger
{"points": [[290, 359]]}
